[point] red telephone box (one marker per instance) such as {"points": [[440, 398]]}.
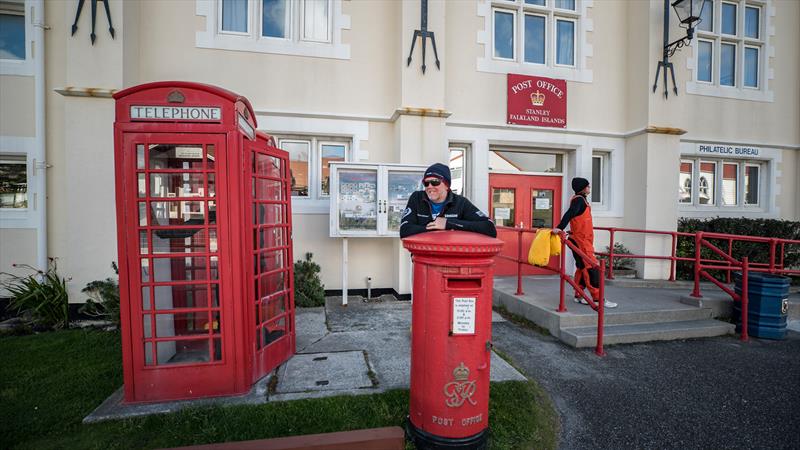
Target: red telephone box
{"points": [[451, 332], [204, 240]]}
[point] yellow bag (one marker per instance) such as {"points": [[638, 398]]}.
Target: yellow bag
{"points": [[539, 253], [555, 244]]}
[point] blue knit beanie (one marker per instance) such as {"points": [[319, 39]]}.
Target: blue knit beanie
{"points": [[439, 171]]}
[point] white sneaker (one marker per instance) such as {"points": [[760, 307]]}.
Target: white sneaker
{"points": [[609, 304], [580, 300]]}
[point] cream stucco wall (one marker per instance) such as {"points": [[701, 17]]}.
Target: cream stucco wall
{"points": [[17, 247], [158, 41], [17, 108]]}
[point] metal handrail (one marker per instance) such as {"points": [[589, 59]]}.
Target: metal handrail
{"points": [[598, 306]]}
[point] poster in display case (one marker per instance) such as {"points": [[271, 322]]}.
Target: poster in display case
{"points": [[369, 199]]}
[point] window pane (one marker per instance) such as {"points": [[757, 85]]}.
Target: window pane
{"points": [[401, 186], [706, 185], [542, 208], [298, 166], [12, 33], [707, 16], [535, 2], [727, 69], [503, 35], [565, 42], [358, 200], [597, 178], [13, 182], [685, 182], [166, 156], [534, 39], [751, 185], [751, 22], [524, 162], [315, 20], [234, 15], [728, 18], [565, 4], [503, 206], [330, 153], [751, 67], [457, 156], [730, 177], [705, 58], [273, 18], [186, 296]]}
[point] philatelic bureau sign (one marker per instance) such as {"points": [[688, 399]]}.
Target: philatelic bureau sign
{"points": [[537, 101]]}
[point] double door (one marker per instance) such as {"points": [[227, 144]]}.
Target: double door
{"points": [[523, 201]]}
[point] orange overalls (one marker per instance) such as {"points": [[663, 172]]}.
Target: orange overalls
{"points": [[583, 235]]}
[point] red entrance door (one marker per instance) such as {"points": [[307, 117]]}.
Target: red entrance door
{"points": [[181, 310], [527, 201]]}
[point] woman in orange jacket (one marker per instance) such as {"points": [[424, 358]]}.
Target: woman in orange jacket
{"points": [[579, 218]]}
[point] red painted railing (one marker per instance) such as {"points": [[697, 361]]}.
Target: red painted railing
{"points": [[521, 260], [776, 248]]}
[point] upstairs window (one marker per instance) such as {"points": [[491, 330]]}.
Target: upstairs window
{"points": [[12, 29], [309, 163]]}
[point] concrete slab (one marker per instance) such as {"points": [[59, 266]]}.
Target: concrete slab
{"points": [[310, 325], [330, 371], [113, 407]]}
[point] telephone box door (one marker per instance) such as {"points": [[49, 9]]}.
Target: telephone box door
{"points": [[271, 248], [180, 306]]}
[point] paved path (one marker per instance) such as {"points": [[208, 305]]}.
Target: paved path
{"points": [[702, 394]]}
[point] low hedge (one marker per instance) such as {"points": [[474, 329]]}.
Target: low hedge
{"points": [[756, 252]]}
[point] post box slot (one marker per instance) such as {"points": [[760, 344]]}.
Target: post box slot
{"points": [[463, 283]]}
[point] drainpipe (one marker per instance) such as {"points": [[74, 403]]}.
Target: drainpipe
{"points": [[40, 163]]}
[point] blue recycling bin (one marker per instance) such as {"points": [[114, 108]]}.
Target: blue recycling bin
{"points": [[767, 304]]}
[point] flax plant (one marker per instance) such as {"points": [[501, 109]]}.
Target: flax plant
{"points": [[40, 297]]}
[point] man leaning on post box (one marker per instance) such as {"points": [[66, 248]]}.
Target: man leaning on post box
{"points": [[438, 208]]}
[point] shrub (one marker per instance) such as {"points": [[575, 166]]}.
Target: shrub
{"points": [[308, 288], [40, 297], [103, 301], [756, 252], [619, 263]]}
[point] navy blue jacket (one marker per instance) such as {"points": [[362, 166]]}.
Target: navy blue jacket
{"points": [[460, 213]]}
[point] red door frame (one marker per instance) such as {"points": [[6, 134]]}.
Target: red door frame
{"points": [[231, 128], [523, 186]]}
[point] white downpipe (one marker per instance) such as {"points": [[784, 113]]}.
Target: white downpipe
{"points": [[40, 172]]}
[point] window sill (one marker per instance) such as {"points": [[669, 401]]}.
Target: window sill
{"points": [[756, 95]]}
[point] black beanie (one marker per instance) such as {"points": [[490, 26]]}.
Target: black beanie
{"points": [[440, 171], [579, 184]]}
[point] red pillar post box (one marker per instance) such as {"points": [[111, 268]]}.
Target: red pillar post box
{"points": [[451, 338]]}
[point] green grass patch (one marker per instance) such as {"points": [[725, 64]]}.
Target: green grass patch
{"points": [[50, 381]]}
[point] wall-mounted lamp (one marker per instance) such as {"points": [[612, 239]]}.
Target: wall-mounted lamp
{"points": [[688, 12]]}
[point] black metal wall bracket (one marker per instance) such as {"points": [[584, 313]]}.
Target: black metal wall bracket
{"points": [[423, 33], [94, 18]]}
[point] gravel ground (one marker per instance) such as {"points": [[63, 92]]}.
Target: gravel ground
{"points": [[716, 393]]}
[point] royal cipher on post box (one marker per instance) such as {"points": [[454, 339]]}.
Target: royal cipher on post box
{"points": [[451, 330], [204, 240]]}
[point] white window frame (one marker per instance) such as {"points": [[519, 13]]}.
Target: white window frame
{"points": [[546, 39], [22, 160], [289, 23], [761, 169], [713, 63], [605, 172], [763, 44], [692, 177], [248, 22], [717, 204], [24, 217], [302, 15], [574, 40], [294, 44], [315, 161], [514, 52], [582, 50], [466, 167], [22, 66], [713, 201]]}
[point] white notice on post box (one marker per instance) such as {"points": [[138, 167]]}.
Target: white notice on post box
{"points": [[464, 315]]}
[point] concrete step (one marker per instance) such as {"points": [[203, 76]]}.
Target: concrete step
{"points": [[645, 332], [617, 316]]}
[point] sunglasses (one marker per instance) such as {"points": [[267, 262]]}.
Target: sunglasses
{"points": [[433, 182]]}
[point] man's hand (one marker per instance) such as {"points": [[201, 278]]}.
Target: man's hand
{"points": [[557, 231], [440, 223]]}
